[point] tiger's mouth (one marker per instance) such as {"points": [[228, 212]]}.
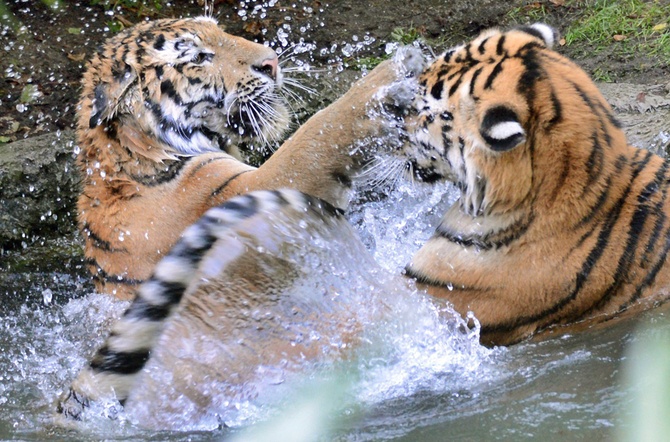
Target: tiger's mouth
{"points": [[263, 117]]}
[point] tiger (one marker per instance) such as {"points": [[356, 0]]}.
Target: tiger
{"points": [[560, 223], [165, 106]]}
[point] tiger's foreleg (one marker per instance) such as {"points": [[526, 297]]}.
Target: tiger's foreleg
{"points": [[326, 152]]}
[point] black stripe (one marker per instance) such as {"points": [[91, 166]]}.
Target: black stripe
{"points": [[651, 275], [322, 207], [636, 225], [246, 206], [105, 278], [595, 107], [558, 111], [141, 309], [167, 88], [491, 240], [421, 278], [208, 161], [100, 104], [465, 58], [532, 73], [473, 80], [162, 176], [97, 242], [220, 189], [343, 179], [595, 209], [436, 90], [532, 31], [594, 165], [497, 69], [481, 47], [661, 217], [500, 46], [160, 42], [119, 362], [455, 85], [587, 266]]}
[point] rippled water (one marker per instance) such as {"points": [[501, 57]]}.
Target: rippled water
{"points": [[417, 376]]}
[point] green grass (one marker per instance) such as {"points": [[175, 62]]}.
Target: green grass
{"points": [[633, 26], [405, 36], [402, 36], [529, 13]]}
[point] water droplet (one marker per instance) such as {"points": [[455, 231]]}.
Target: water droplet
{"points": [[47, 296]]}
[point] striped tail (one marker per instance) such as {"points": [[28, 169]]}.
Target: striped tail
{"points": [[114, 368]]}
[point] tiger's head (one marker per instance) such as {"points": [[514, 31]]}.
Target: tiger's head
{"points": [[180, 87], [500, 115]]}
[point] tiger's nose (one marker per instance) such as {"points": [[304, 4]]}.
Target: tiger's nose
{"points": [[269, 67]]}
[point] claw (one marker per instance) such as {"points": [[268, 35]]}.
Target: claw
{"points": [[71, 405]]}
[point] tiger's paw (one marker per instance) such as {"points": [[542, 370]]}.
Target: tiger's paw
{"points": [[72, 404], [397, 99], [393, 102]]}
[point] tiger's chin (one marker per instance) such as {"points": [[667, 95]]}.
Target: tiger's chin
{"points": [[264, 124], [428, 175], [424, 175]]}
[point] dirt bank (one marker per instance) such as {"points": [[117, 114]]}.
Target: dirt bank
{"points": [[41, 64]]}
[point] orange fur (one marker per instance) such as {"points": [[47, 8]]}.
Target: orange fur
{"points": [[568, 225], [140, 192]]}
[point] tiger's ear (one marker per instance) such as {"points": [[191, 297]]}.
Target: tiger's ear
{"points": [[108, 97], [542, 31], [501, 129]]}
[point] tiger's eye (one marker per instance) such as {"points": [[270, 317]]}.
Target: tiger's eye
{"points": [[202, 57]]}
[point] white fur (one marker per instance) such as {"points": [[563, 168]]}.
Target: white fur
{"points": [[223, 216], [134, 335], [547, 33], [194, 236], [174, 269], [506, 129], [223, 253]]}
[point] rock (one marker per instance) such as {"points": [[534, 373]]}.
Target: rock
{"points": [[38, 189], [644, 112]]}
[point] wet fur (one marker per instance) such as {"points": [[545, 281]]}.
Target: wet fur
{"points": [[224, 280], [158, 125], [141, 193], [559, 221]]}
